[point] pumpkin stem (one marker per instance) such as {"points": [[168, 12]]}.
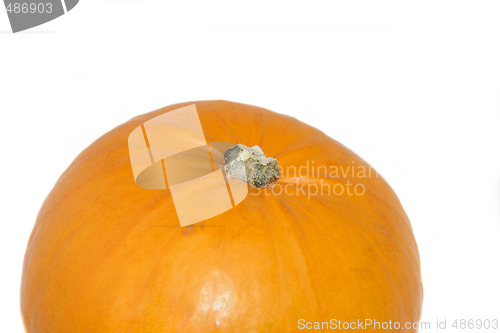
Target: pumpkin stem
{"points": [[251, 165]]}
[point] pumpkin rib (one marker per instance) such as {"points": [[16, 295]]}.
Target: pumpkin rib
{"points": [[303, 251], [154, 268], [317, 179], [338, 254], [323, 232], [54, 262], [385, 263], [407, 229], [261, 130], [278, 266]]}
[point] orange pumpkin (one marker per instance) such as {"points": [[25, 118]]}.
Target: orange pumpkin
{"points": [[106, 255]]}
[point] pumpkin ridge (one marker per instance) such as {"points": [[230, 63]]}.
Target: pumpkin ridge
{"points": [[385, 263]]}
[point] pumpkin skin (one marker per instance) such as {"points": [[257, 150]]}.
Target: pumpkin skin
{"points": [[108, 256]]}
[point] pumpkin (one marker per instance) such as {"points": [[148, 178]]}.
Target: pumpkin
{"points": [[107, 255]]}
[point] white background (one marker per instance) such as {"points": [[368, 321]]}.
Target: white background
{"points": [[413, 88]]}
